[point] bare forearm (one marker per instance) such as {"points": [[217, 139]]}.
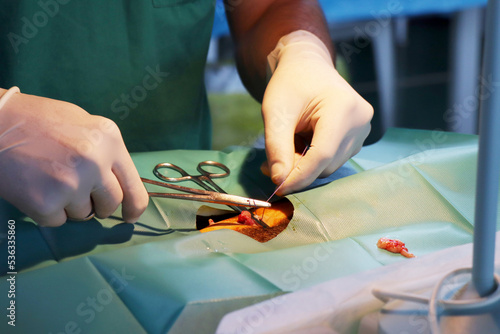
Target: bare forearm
{"points": [[258, 25]]}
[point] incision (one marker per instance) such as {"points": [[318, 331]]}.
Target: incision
{"points": [[276, 217]]}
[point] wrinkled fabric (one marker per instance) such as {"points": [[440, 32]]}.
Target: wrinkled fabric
{"points": [[417, 186], [347, 304]]}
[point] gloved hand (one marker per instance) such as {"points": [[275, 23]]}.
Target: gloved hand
{"points": [[307, 102], [58, 161]]}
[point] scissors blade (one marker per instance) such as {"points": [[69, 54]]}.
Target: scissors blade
{"points": [[217, 198], [176, 187], [207, 196]]}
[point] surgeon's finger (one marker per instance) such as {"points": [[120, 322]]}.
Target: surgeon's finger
{"points": [[300, 144], [306, 171], [320, 156], [279, 125], [135, 196], [107, 197], [80, 208], [48, 208], [52, 219], [264, 168], [329, 150], [349, 147]]}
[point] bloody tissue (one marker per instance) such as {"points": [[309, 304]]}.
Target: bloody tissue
{"points": [[245, 218], [394, 246]]}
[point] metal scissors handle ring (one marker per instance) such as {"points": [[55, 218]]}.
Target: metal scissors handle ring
{"points": [[211, 174], [167, 165], [203, 180], [205, 176]]}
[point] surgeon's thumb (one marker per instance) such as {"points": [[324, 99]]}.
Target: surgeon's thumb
{"points": [[279, 134]]}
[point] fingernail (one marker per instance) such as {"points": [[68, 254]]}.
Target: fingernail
{"points": [[264, 168], [277, 173], [282, 191]]}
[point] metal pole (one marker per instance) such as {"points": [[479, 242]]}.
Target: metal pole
{"points": [[488, 168]]}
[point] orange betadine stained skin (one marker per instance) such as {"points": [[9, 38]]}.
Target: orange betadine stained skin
{"points": [[394, 246]]}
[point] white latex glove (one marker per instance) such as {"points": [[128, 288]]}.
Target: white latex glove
{"points": [[58, 161], [307, 102]]}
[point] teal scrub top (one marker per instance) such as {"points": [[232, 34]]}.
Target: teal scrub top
{"points": [[139, 63]]}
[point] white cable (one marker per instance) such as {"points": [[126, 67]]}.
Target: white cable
{"points": [[8, 94], [476, 305], [385, 296]]}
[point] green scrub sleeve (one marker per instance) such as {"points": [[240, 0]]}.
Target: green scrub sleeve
{"points": [[140, 63]]}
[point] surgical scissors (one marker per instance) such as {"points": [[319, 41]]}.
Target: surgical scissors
{"points": [[203, 180]]}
